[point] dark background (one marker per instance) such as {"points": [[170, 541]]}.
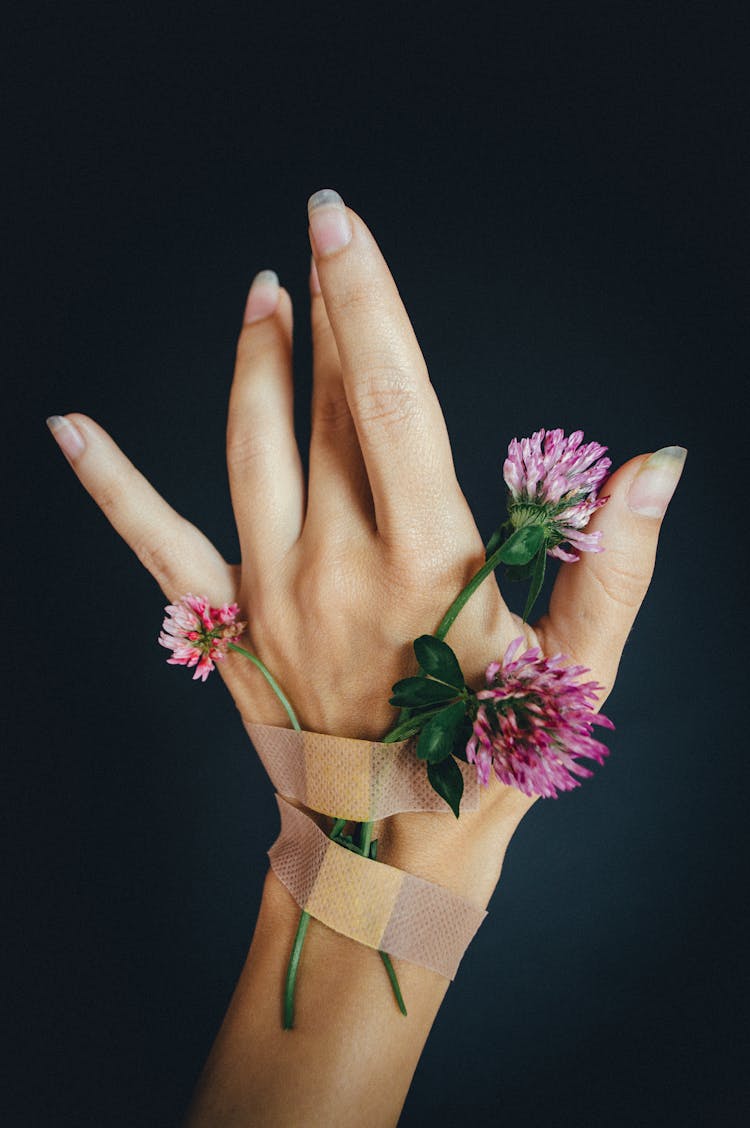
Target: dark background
{"points": [[558, 190]]}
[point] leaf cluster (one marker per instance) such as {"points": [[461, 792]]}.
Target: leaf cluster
{"points": [[436, 703]]}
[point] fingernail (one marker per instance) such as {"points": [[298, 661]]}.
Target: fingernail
{"points": [[314, 279], [656, 481], [263, 297], [68, 437], [329, 223]]}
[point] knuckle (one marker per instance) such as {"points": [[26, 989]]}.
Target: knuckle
{"points": [[384, 397], [623, 583], [332, 413], [248, 447], [334, 575], [354, 300], [416, 576], [157, 557]]}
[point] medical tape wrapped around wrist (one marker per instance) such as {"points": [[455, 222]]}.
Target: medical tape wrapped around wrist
{"points": [[370, 902], [346, 778]]}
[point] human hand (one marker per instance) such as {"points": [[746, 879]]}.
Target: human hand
{"points": [[341, 572]]}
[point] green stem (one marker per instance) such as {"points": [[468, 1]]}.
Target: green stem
{"points": [[369, 850], [271, 681], [364, 849], [365, 836], [520, 547], [463, 597], [291, 974], [394, 981], [304, 920], [299, 939]]}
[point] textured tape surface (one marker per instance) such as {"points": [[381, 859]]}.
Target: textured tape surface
{"points": [[370, 902], [359, 780]]}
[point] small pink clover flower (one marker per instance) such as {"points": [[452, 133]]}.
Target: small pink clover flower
{"points": [[533, 723], [553, 481], [198, 634]]}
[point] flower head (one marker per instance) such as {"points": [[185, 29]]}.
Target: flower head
{"points": [[552, 480], [198, 634], [533, 722]]}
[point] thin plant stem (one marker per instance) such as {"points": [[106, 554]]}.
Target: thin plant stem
{"points": [[368, 849], [304, 920], [365, 836], [271, 681], [364, 848], [508, 553], [463, 597], [394, 981], [291, 973], [458, 603]]}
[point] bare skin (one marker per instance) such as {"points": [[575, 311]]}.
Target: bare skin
{"points": [[374, 546]]}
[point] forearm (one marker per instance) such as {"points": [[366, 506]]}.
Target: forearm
{"points": [[351, 1057]]}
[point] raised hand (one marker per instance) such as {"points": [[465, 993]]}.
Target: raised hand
{"points": [[338, 575], [341, 572]]}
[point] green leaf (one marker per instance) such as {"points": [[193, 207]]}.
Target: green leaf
{"points": [[519, 572], [438, 735], [462, 737], [420, 691], [537, 579], [523, 545], [496, 539], [447, 780], [438, 660]]}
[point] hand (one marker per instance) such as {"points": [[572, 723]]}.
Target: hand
{"points": [[341, 572], [338, 576]]}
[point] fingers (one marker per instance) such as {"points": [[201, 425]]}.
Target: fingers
{"points": [[401, 430], [176, 554], [339, 497], [595, 601], [265, 471]]}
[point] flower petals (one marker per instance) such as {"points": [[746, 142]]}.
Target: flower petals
{"points": [[534, 722], [198, 634], [556, 478]]}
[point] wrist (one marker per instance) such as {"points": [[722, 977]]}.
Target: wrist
{"points": [[464, 855], [416, 831]]}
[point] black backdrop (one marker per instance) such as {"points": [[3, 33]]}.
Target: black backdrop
{"points": [[558, 191]]}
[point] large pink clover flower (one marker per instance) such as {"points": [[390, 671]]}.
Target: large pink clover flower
{"points": [[552, 481], [533, 723], [198, 634]]}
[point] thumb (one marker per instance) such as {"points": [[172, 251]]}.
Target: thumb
{"points": [[595, 600]]}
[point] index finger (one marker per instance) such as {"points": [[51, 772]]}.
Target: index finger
{"points": [[174, 551], [397, 415]]}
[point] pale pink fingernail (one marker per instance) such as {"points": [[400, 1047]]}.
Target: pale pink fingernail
{"points": [[314, 279], [263, 297], [68, 437], [656, 481], [329, 222]]}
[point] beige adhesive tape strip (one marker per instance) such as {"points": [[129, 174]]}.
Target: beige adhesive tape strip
{"points": [[358, 780], [370, 902]]}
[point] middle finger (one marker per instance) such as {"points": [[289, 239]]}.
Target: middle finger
{"points": [[399, 422], [339, 498]]}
